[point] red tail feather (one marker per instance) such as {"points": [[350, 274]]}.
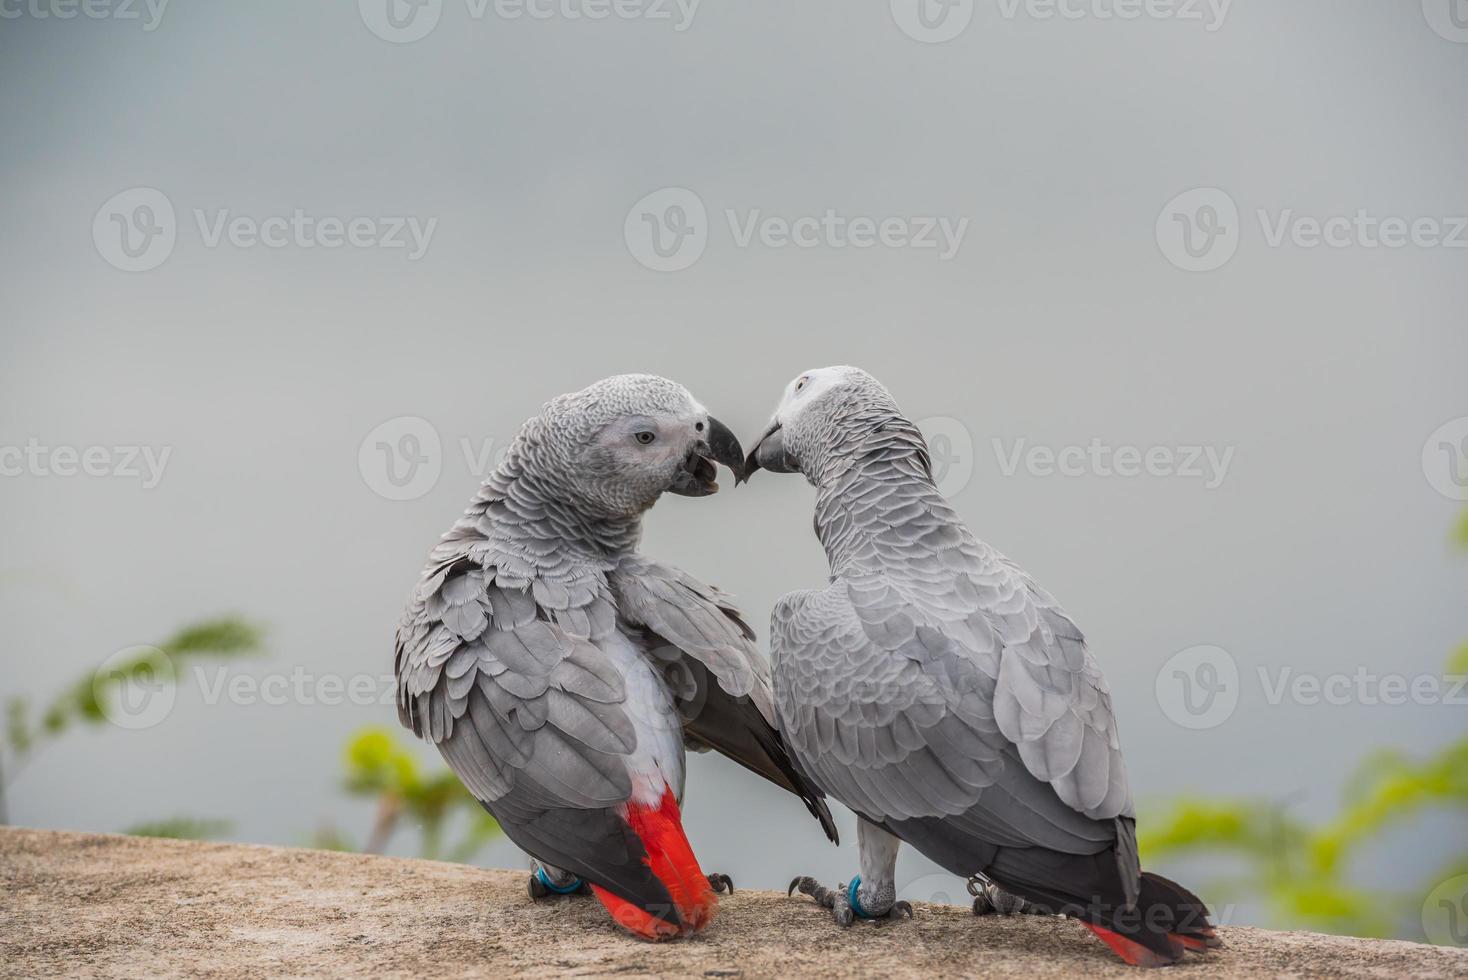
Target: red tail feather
{"points": [[1133, 952], [671, 859]]}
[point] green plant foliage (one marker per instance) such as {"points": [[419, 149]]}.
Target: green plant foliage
{"points": [[81, 703], [1300, 870], [378, 766], [181, 828]]}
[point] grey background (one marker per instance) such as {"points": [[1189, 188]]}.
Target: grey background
{"points": [[1059, 321]]}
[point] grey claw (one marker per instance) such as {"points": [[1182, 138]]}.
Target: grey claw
{"points": [[843, 915], [899, 909], [536, 888], [722, 883]]}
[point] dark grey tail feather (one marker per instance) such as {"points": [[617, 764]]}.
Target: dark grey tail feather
{"points": [[595, 845], [1191, 918], [735, 728], [1167, 919]]}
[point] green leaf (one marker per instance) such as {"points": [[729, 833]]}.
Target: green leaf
{"points": [[181, 828]]}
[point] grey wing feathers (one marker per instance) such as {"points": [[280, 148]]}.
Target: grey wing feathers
{"points": [[718, 677], [507, 693], [975, 701], [694, 618]]}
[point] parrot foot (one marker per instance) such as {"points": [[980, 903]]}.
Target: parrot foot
{"points": [[541, 887], [839, 901], [833, 899], [990, 899], [721, 884]]}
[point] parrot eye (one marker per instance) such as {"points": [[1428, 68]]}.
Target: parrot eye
{"points": [[801, 383], [645, 438]]}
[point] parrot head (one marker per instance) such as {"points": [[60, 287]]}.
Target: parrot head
{"points": [[820, 410], [614, 447]]}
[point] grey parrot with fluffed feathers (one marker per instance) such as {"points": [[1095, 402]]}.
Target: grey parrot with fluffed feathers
{"points": [[561, 673], [938, 691]]}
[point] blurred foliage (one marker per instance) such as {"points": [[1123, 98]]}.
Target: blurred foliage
{"points": [[83, 702], [181, 828], [1302, 870], [378, 766]]}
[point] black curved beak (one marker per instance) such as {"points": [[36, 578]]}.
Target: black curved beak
{"points": [[699, 473], [769, 454]]}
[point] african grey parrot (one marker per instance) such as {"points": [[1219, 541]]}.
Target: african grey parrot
{"points": [[561, 673], [935, 689]]}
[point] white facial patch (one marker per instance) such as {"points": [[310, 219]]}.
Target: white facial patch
{"points": [[817, 382]]}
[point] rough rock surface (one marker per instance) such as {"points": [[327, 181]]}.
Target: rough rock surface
{"points": [[98, 905]]}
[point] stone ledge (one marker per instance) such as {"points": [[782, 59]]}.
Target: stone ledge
{"points": [[102, 905]]}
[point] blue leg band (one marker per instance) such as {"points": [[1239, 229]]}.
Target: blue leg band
{"points": [[545, 880], [855, 902]]}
